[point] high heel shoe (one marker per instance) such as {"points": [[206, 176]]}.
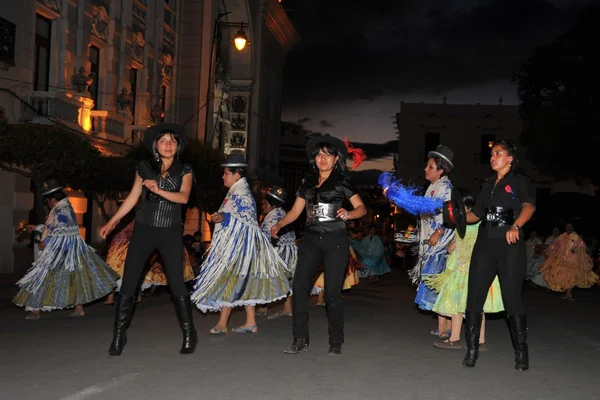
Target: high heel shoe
{"points": [[297, 346]]}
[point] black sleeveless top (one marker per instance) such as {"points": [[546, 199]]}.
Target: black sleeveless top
{"points": [[154, 210]]}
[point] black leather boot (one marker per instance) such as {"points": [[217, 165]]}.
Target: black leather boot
{"points": [[183, 307], [472, 330], [335, 349], [297, 346], [518, 333], [123, 313]]}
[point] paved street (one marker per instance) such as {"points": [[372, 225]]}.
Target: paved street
{"points": [[388, 354]]}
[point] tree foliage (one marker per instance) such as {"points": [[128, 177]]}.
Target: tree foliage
{"points": [[41, 152], [46, 151], [208, 192], [559, 92]]}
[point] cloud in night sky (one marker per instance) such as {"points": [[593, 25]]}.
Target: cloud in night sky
{"points": [[363, 51], [326, 124], [374, 151]]}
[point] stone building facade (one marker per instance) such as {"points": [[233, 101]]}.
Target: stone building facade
{"points": [[112, 68]]}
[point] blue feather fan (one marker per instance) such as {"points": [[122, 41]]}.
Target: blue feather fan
{"points": [[405, 197]]}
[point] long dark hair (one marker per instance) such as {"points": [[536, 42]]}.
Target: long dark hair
{"points": [[339, 166], [156, 161], [512, 150]]}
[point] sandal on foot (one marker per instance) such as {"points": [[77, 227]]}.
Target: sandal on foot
{"points": [[246, 329], [280, 314], [32, 317], [76, 314], [448, 345], [445, 335], [218, 332]]}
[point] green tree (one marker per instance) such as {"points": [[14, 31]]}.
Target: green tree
{"points": [[207, 193], [558, 88], [40, 152]]}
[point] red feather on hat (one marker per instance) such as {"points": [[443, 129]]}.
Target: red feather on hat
{"points": [[358, 155]]}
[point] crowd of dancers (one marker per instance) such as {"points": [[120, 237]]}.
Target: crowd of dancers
{"points": [[252, 264]]}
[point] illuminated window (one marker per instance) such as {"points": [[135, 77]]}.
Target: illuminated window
{"points": [[487, 141]]}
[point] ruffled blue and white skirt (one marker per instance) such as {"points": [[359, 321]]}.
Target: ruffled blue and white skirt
{"points": [[426, 296]]}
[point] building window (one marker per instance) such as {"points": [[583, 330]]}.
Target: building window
{"points": [[7, 42], [95, 68], [43, 29], [487, 141], [432, 140], [133, 75], [162, 100]]}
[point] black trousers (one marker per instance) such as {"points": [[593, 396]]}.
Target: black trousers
{"points": [[493, 257], [332, 251], [146, 239]]}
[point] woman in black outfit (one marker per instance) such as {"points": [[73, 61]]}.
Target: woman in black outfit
{"points": [[164, 184], [326, 238], [506, 202]]}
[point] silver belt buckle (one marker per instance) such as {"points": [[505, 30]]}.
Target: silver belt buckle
{"points": [[322, 212]]}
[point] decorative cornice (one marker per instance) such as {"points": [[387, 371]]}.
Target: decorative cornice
{"points": [[280, 25]]}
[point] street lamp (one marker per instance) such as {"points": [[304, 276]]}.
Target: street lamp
{"points": [[240, 40]]}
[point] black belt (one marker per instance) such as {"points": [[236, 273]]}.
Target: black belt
{"points": [[498, 216]]}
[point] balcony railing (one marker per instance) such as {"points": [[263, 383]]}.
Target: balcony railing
{"points": [[110, 125]]}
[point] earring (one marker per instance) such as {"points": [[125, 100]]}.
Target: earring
{"points": [[157, 157], [177, 155]]}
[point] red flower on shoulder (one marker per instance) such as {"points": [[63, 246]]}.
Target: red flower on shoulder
{"points": [[432, 192], [508, 189]]}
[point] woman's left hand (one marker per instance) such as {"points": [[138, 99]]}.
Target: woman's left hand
{"points": [[434, 238], [343, 214], [151, 185], [512, 235]]}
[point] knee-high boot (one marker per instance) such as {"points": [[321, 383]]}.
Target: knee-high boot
{"points": [[472, 330], [518, 333], [183, 307], [123, 313]]}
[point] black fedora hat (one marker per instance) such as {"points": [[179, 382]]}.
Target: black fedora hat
{"points": [[51, 186], [444, 153], [155, 131], [235, 160], [454, 214], [317, 139], [278, 193]]}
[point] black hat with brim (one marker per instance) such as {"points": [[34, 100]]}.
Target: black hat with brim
{"points": [[51, 186], [156, 131], [235, 160], [317, 140], [278, 193]]}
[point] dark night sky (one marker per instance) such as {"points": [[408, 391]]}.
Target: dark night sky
{"points": [[357, 60]]}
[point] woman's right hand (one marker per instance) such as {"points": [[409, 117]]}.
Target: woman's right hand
{"points": [[275, 230], [217, 218], [106, 229]]}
